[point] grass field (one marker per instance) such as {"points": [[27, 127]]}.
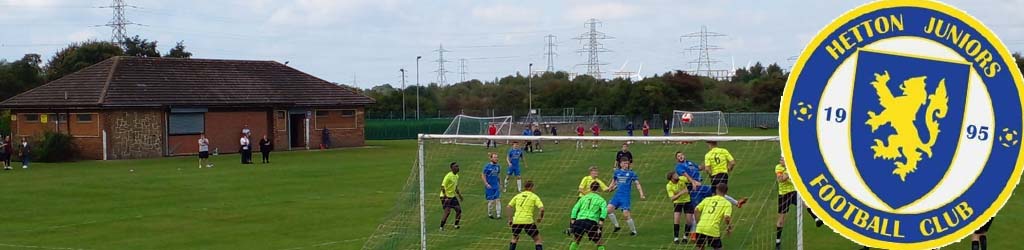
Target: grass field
{"points": [[358, 198]]}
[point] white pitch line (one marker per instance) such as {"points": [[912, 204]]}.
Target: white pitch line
{"points": [[40, 247]]}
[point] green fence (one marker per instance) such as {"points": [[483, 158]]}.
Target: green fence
{"points": [[389, 129]]}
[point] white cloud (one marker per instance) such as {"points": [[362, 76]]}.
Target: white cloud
{"points": [[603, 11], [324, 12], [506, 14], [82, 35]]}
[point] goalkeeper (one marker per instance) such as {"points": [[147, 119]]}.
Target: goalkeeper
{"points": [[588, 217]]}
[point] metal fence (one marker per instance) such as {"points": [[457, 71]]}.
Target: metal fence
{"points": [[394, 129]]}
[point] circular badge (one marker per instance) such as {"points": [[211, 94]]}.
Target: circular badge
{"points": [[901, 122]]}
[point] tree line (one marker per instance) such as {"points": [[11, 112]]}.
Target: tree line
{"points": [[757, 88]]}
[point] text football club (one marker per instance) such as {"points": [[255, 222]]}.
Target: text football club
{"points": [[900, 124]]}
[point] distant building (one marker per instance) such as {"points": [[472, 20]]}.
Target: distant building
{"points": [[130, 107]]}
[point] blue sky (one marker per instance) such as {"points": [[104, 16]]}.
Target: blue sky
{"points": [[368, 41]]}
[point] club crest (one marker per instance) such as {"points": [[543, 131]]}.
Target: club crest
{"points": [[900, 125]]}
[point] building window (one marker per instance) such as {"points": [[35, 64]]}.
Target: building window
{"points": [[280, 114], [31, 117], [83, 118], [348, 113], [186, 123], [320, 113]]}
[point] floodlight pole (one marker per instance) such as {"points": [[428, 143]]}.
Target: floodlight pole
{"points": [[403, 93], [529, 79], [418, 86]]}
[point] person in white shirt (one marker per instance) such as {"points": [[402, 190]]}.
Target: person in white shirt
{"points": [[246, 150], [204, 151]]}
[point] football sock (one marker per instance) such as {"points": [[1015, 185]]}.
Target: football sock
{"points": [[687, 231], [731, 200], [632, 226], [615, 221], [778, 236], [511, 246], [675, 230], [574, 246], [519, 184], [540, 247], [497, 208], [975, 245], [600, 247], [984, 243], [489, 203]]}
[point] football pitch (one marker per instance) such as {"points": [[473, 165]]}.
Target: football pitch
{"points": [[341, 199]]}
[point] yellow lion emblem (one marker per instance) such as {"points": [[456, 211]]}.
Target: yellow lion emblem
{"points": [[900, 112]]}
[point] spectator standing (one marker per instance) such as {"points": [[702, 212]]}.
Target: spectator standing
{"points": [[265, 148]]}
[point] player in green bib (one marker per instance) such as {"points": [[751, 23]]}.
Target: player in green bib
{"points": [[711, 214], [588, 217], [450, 195], [787, 197], [680, 197]]}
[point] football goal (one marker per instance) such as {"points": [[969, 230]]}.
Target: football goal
{"points": [[472, 125], [415, 219], [699, 123]]}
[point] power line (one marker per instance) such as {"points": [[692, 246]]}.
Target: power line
{"points": [[551, 52], [593, 47], [703, 49], [442, 79]]}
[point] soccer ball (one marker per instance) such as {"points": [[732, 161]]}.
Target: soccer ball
{"points": [[687, 118]]}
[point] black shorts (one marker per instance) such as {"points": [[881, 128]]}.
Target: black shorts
{"points": [[450, 203], [984, 229], [719, 178], [704, 240], [204, 154], [591, 228], [785, 200], [686, 208], [531, 229]]}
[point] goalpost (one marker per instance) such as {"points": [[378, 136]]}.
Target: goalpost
{"points": [[414, 220], [699, 122], [472, 125]]}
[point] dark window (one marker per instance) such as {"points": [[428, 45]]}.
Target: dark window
{"points": [[321, 113], [84, 118], [348, 112], [185, 123], [32, 117], [280, 114]]}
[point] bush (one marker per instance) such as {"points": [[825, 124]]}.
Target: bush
{"points": [[5, 122], [55, 147]]}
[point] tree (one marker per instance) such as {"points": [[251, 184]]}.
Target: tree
{"points": [[19, 76], [77, 56], [135, 46], [179, 51]]}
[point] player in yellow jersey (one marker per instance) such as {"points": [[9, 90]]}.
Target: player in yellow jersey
{"points": [[450, 195], [522, 209], [787, 197], [712, 213], [680, 198], [719, 162]]}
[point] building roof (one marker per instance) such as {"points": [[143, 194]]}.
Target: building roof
{"points": [[174, 82]]}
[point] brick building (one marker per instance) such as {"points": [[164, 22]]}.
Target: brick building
{"points": [[130, 107]]}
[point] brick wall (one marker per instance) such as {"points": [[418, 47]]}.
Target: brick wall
{"points": [[134, 134], [224, 129], [85, 129], [345, 124]]}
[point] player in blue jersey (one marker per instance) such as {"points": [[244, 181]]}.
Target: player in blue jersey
{"points": [[692, 172], [515, 157], [622, 182], [491, 192]]}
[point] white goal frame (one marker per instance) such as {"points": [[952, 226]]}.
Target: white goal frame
{"points": [[678, 127], [421, 158], [504, 127]]}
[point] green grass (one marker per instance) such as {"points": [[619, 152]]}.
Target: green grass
{"points": [[356, 198]]}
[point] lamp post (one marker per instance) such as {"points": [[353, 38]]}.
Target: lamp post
{"points": [[403, 93], [529, 79], [418, 86]]}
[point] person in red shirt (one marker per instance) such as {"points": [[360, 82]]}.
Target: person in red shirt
{"points": [[596, 130], [579, 132], [647, 130], [492, 130]]}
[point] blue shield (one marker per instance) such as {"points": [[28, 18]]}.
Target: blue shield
{"points": [[877, 173]]}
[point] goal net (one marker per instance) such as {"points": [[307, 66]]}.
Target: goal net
{"points": [[699, 122], [472, 125], [415, 220]]}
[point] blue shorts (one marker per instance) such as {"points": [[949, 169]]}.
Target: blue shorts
{"points": [[698, 195], [513, 170], [620, 203], [629, 133], [493, 193]]}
